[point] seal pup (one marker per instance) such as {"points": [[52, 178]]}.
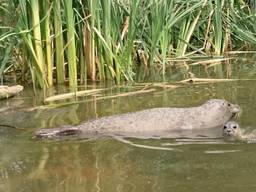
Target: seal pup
{"points": [[231, 129], [150, 123]]}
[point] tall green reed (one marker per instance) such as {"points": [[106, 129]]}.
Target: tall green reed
{"points": [[25, 30], [100, 39], [58, 42], [37, 38], [217, 26], [47, 41], [71, 46]]}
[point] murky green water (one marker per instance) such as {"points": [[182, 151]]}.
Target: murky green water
{"points": [[110, 165]]}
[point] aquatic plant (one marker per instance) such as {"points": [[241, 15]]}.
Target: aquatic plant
{"points": [[101, 40]]}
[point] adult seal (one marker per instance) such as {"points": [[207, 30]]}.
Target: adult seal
{"points": [[156, 122]]}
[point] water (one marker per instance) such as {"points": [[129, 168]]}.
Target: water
{"points": [[139, 165]]}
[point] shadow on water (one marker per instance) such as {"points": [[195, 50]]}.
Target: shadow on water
{"points": [[108, 164]]}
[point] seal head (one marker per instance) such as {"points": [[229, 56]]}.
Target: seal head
{"points": [[230, 110], [231, 128]]}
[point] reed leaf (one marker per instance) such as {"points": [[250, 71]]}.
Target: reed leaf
{"points": [[71, 46], [24, 31], [37, 36], [218, 34], [59, 44], [48, 41], [103, 39], [187, 30], [4, 61], [90, 37], [106, 33]]}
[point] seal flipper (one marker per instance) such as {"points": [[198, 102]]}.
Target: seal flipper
{"points": [[68, 132], [57, 132]]}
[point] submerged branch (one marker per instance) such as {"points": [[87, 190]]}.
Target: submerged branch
{"points": [[206, 80], [145, 89], [205, 62], [126, 94], [72, 95]]}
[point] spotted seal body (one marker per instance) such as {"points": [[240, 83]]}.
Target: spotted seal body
{"points": [[161, 122]]}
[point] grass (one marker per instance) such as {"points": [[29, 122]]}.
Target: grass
{"points": [[101, 40]]}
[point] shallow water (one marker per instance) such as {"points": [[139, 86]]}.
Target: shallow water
{"points": [[107, 164]]}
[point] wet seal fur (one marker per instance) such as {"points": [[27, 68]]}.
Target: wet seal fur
{"points": [[231, 129], [150, 123]]}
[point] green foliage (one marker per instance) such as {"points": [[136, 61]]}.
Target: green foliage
{"points": [[71, 46], [58, 42], [105, 39]]}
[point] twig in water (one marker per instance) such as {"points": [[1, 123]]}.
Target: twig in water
{"points": [[11, 126]]}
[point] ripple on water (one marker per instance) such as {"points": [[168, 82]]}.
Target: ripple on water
{"points": [[222, 151]]}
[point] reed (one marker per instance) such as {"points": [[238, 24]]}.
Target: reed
{"points": [[59, 44], [90, 35], [71, 46], [102, 40], [106, 29], [37, 40], [25, 32], [46, 9], [80, 17], [187, 29], [217, 26]]}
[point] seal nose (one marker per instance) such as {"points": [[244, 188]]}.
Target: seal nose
{"points": [[228, 132], [236, 109]]}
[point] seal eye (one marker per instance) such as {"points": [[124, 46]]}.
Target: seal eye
{"points": [[229, 104], [225, 127], [234, 126]]}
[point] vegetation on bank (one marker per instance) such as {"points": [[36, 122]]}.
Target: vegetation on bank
{"points": [[51, 41]]}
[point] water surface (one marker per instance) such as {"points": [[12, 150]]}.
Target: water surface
{"points": [[107, 164]]}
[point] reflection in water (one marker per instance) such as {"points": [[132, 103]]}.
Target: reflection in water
{"points": [[131, 165], [98, 175], [222, 151], [39, 172], [107, 165], [144, 146]]}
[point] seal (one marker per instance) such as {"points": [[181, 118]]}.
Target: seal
{"points": [[149, 123], [231, 128]]}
